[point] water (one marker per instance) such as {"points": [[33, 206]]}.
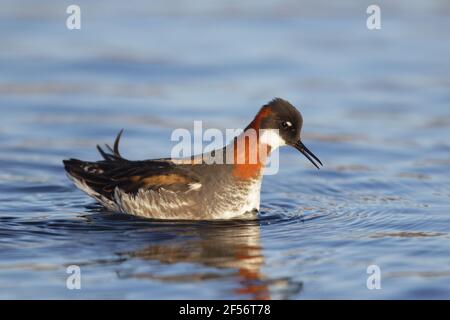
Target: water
{"points": [[376, 109]]}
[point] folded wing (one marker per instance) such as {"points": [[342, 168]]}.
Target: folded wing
{"points": [[114, 171]]}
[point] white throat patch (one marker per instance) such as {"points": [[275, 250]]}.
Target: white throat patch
{"points": [[272, 138]]}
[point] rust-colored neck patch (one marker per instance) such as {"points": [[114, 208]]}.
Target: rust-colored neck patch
{"points": [[249, 155], [262, 114]]}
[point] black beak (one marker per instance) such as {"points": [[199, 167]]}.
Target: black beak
{"points": [[308, 154]]}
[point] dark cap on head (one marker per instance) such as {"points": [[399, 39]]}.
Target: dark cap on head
{"points": [[281, 115]]}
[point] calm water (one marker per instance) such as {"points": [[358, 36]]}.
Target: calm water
{"points": [[377, 112]]}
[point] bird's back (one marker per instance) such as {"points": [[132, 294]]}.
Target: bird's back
{"points": [[164, 188]]}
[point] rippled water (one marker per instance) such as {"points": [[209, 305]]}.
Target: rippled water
{"points": [[376, 109]]}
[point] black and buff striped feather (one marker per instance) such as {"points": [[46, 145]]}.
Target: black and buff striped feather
{"points": [[114, 171]]}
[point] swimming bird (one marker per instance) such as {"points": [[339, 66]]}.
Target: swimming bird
{"points": [[198, 187]]}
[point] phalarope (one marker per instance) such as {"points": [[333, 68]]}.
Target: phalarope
{"points": [[192, 188]]}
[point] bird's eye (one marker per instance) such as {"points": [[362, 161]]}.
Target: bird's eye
{"points": [[286, 124]]}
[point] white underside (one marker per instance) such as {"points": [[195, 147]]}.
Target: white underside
{"points": [[166, 204], [247, 204]]}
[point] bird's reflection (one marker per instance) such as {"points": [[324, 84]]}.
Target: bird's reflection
{"points": [[234, 248]]}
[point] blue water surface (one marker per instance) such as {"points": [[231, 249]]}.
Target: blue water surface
{"points": [[376, 106]]}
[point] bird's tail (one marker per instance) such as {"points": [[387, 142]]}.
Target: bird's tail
{"points": [[93, 177]]}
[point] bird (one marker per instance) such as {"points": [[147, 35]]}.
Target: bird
{"points": [[194, 188]]}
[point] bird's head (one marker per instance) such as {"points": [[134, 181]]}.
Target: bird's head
{"points": [[279, 123]]}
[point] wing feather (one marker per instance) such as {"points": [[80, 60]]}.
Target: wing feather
{"points": [[114, 171]]}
